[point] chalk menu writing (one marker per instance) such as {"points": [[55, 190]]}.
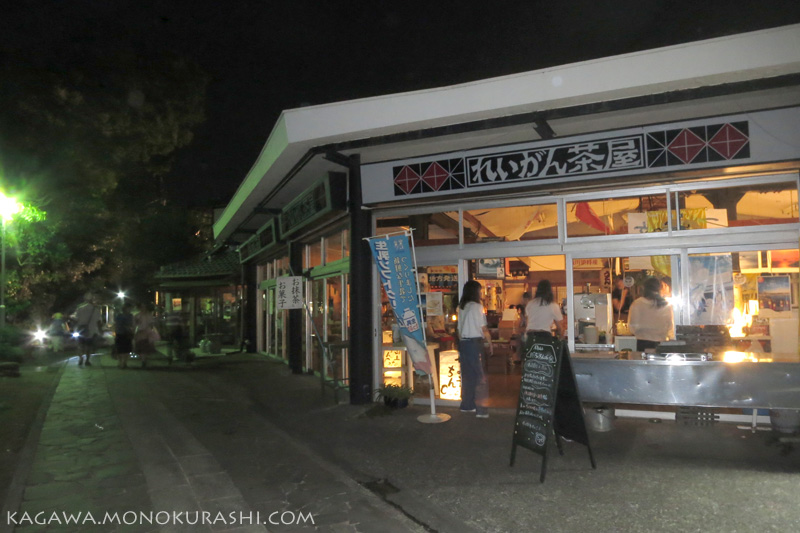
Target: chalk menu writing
{"points": [[537, 395], [549, 403]]}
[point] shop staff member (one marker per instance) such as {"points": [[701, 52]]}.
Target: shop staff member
{"points": [[650, 318], [472, 330], [541, 312], [621, 298]]}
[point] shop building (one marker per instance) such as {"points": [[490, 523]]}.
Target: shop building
{"points": [[680, 163]]}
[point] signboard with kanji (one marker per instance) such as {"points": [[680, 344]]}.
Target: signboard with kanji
{"points": [[289, 293], [398, 277]]}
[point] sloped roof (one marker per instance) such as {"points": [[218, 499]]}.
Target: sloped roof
{"points": [[202, 267], [287, 163]]}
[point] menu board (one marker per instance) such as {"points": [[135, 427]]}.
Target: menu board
{"points": [[549, 404]]}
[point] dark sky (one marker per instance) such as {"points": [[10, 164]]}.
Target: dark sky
{"points": [[263, 56]]}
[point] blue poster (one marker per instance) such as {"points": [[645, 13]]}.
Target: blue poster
{"points": [[398, 277]]}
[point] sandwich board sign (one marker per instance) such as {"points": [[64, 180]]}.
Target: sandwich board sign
{"points": [[549, 406]]}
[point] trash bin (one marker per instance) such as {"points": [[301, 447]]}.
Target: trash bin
{"points": [[785, 420]]}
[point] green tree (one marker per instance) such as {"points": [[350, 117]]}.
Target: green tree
{"points": [[89, 136]]}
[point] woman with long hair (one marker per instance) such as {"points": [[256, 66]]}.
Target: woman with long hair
{"points": [[472, 331], [650, 317], [542, 314]]}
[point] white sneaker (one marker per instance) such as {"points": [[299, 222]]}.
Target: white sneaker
{"points": [[468, 410], [482, 415]]}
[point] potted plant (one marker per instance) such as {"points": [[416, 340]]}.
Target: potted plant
{"points": [[395, 396]]}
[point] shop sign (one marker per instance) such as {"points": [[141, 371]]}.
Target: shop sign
{"points": [[705, 143], [588, 264], [443, 279], [393, 358], [263, 239], [289, 292], [324, 197]]}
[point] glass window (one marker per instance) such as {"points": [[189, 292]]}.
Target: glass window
{"points": [[431, 229], [333, 247], [749, 205], [522, 223], [313, 255], [753, 296], [617, 216]]}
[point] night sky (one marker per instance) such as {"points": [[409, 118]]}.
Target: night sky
{"points": [[265, 56]]}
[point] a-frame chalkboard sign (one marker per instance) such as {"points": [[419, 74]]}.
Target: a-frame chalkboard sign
{"points": [[549, 404]]}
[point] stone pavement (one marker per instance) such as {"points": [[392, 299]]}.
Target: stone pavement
{"points": [[240, 433], [108, 447]]}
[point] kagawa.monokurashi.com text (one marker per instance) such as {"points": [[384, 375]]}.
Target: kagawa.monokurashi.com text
{"points": [[161, 518]]}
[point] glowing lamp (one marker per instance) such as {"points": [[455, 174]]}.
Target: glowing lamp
{"points": [[8, 207], [449, 375], [39, 335]]}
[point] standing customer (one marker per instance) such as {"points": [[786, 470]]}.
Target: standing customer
{"points": [[88, 325], [542, 313], [143, 341], [650, 318], [472, 331]]}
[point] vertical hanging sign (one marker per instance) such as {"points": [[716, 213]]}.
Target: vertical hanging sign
{"points": [[289, 293], [397, 272]]}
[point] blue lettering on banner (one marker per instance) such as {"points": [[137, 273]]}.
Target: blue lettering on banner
{"points": [[396, 270]]}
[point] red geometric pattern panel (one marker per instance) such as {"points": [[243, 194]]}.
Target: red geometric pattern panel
{"points": [[686, 146], [407, 179], [728, 141], [435, 176]]}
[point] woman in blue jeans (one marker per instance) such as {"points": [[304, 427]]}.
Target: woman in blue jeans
{"points": [[472, 331]]}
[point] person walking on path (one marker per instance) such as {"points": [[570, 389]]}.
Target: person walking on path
{"points": [[123, 335], [472, 331], [175, 334], [88, 325], [144, 341], [57, 332]]}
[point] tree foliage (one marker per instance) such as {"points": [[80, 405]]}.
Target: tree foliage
{"points": [[88, 135]]}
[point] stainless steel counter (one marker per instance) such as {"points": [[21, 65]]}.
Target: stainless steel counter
{"points": [[773, 382]]}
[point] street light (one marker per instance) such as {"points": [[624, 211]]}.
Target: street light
{"points": [[8, 208]]}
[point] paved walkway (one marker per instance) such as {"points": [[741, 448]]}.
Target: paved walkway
{"points": [[110, 448], [239, 433]]}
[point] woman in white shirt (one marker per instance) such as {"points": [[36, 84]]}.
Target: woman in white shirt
{"points": [[542, 313], [472, 331], [650, 317]]}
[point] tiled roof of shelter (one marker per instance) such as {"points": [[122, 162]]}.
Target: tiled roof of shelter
{"points": [[218, 265]]}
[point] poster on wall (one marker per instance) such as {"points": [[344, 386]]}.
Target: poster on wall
{"points": [[434, 305], [711, 289], [774, 296], [491, 269], [784, 260]]}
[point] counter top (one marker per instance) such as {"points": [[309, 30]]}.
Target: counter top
{"points": [[726, 357]]}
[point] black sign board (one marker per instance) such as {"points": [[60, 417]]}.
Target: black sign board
{"points": [[549, 405]]}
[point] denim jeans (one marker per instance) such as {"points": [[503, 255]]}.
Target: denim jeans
{"points": [[474, 388]]}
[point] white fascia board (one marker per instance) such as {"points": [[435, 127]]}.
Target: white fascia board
{"points": [[741, 57], [276, 158]]}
